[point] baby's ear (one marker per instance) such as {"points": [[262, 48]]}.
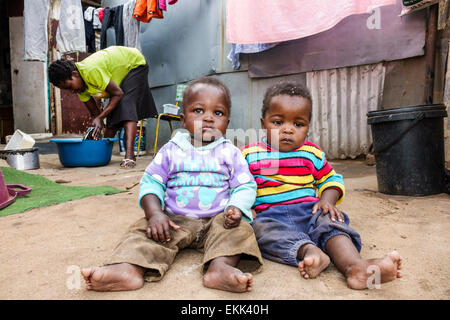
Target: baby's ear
{"points": [[262, 123], [182, 119]]}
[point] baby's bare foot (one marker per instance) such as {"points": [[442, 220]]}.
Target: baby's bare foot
{"points": [[314, 261], [228, 278], [114, 277], [388, 268]]}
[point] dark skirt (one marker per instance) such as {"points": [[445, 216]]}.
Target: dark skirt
{"points": [[137, 102]]}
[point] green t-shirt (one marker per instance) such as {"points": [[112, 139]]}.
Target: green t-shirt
{"points": [[112, 63]]}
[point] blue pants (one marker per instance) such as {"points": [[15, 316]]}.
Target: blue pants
{"points": [[282, 230]]}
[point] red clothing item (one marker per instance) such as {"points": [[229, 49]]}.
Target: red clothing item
{"points": [[145, 10], [100, 14]]}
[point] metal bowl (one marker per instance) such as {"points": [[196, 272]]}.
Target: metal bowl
{"points": [[21, 159]]}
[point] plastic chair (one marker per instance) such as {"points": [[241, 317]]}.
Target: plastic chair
{"points": [[168, 116]]}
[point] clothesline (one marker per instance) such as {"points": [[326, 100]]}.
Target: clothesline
{"points": [[251, 26], [78, 25], [125, 20], [91, 3], [248, 21]]}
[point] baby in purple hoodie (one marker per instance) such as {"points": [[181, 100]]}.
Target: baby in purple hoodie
{"points": [[196, 193]]}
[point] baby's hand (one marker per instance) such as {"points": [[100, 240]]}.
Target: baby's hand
{"points": [[233, 217], [328, 208], [158, 228]]}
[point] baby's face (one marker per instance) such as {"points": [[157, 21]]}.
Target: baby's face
{"points": [[287, 122], [206, 115]]}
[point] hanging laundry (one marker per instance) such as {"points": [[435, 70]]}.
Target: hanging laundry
{"points": [[266, 21], [112, 17], [70, 36], [236, 49], [88, 15], [100, 14], [35, 14], [130, 26], [96, 23], [172, 1], [146, 10], [162, 4]]}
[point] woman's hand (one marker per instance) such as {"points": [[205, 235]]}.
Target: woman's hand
{"points": [[98, 125], [116, 95]]}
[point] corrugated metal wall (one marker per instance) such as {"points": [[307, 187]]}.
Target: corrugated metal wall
{"points": [[342, 97], [190, 41]]}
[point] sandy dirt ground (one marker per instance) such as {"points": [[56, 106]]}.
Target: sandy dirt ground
{"points": [[43, 249]]}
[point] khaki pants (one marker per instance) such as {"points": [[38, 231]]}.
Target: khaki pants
{"points": [[207, 234]]}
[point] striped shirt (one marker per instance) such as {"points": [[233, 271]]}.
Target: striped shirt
{"points": [[300, 175]]}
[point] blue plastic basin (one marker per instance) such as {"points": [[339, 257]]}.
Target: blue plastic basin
{"points": [[84, 153]]}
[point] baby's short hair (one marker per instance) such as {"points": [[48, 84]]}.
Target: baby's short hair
{"points": [[286, 87], [209, 81], [60, 71]]}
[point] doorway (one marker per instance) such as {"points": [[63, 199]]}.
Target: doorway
{"points": [[6, 105]]}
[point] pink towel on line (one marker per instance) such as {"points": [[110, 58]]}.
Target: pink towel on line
{"points": [[162, 5], [266, 21]]}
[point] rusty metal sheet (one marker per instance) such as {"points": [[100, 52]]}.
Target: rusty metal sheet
{"points": [[75, 116]]}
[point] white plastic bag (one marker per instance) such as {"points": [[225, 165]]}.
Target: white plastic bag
{"points": [[414, 5]]}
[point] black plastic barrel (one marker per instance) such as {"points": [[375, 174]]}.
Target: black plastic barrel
{"points": [[408, 144]]}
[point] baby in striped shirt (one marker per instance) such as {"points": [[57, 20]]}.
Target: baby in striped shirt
{"points": [[296, 221]]}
